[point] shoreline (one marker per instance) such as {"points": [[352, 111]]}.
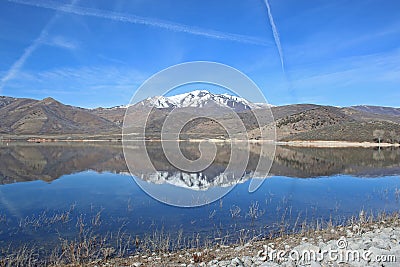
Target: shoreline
{"points": [[295, 143], [377, 235], [327, 144], [379, 240]]}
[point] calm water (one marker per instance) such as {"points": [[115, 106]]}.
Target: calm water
{"points": [[47, 191]]}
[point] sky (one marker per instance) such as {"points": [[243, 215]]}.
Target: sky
{"points": [[97, 53]]}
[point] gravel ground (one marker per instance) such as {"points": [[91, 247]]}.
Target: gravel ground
{"points": [[362, 244]]}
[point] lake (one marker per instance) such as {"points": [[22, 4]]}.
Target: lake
{"points": [[52, 194]]}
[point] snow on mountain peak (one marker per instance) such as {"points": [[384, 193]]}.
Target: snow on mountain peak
{"points": [[201, 98]]}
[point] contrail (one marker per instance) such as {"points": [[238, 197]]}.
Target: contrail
{"points": [[20, 61], [128, 18], [14, 69], [276, 34]]}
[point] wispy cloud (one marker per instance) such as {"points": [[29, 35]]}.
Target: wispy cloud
{"points": [[110, 59], [86, 76], [96, 85], [62, 42], [276, 34], [347, 80], [129, 18], [367, 79]]}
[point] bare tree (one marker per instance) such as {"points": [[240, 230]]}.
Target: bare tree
{"points": [[378, 134]]}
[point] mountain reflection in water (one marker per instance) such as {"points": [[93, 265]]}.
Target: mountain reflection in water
{"points": [[48, 190], [21, 162]]}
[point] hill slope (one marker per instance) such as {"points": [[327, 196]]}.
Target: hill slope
{"points": [[21, 116], [48, 116]]}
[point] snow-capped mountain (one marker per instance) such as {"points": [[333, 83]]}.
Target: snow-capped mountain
{"points": [[201, 98]]}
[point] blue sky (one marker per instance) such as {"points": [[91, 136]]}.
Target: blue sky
{"points": [[97, 53]]}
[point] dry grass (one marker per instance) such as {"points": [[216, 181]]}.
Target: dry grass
{"points": [[89, 248]]}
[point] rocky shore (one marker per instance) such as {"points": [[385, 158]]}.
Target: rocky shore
{"points": [[360, 243]]}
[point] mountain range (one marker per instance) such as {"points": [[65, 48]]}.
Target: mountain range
{"points": [[22, 118], [202, 99]]}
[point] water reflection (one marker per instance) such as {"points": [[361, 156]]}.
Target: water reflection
{"points": [[21, 162], [48, 162], [42, 182]]}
